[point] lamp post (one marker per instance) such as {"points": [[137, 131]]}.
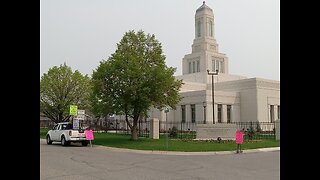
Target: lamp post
{"points": [[212, 89], [204, 112], [166, 111]]}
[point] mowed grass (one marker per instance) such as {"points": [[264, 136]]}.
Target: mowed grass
{"points": [[43, 132], [123, 141]]}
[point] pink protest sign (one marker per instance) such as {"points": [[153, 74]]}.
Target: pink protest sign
{"points": [[239, 137], [89, 134]]}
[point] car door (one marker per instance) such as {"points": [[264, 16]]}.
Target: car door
{"points": [[55, 133], [59, 132]]}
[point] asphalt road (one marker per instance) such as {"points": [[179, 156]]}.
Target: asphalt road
{"points": [[91, 163]]}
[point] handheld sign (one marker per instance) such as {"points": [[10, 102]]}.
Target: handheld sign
{"points": [[73, 110], [81, 114], [89, 135], [75, 124], [239, 137], [239, 140]]}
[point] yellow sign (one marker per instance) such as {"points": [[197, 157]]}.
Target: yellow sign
{"points": [[73, 110]]}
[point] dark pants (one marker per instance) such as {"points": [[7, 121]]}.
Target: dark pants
{"points": [[239, 148]]}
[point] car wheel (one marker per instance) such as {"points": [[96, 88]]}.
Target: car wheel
{"points": [[49, 140], [63, 141], [84, 143]]}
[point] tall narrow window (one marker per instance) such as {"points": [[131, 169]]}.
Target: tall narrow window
{"points": [[218, 66], [278, 111], [190, 70], [219, 113], [193, 67], [199, 28], [221, 67], [193, 113], [271, 113], [228, 113], [211, 29], [183, 113], [213, 65], [198, 66]]}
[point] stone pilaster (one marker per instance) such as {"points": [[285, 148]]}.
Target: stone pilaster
{"points": [[224, 113]]}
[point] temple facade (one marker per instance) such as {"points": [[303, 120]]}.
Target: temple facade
{"points": [[234, 98]]}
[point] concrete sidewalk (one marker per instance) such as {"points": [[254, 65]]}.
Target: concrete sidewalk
{"points": [[179, 153]]}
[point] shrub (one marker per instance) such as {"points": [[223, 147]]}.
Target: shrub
{"points": [[173, 132], [259, 128], [251, 132]]}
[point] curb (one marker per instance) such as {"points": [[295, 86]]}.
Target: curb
{"points": [[188, 153]]}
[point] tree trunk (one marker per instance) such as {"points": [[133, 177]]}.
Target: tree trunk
{"points": [[134, 128], [134, 133], [60, 117]]}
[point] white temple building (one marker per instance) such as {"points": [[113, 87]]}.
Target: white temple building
{"points": [[236, 98]]}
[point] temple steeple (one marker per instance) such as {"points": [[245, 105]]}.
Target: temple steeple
{"points": [[205, 52], [204, 30]]}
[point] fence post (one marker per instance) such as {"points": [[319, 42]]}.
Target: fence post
{"points": [[154, 128], [180, 131]]}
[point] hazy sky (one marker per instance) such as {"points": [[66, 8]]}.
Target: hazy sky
{"points": [[83, 32]]}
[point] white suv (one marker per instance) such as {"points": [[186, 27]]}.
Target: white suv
{"points": [[63, 132]]}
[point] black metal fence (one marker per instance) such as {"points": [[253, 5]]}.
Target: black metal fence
{"points": [[252, 130], [120, 126], [179, 130], [257, 130], [186, 130]]}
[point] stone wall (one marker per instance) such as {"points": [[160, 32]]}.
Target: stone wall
{"points": [[213, 131]]}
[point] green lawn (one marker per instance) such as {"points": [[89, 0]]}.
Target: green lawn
{"points": [[123, 141], [43, 132]]}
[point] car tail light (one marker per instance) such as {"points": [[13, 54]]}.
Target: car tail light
{"points": [[70, 133]]}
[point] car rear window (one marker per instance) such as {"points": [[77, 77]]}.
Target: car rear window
{"points": [[66, 126]]}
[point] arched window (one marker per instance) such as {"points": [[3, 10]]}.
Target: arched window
{"points": [[211, 29], [193, 67], [199, 28], [198, 66]]}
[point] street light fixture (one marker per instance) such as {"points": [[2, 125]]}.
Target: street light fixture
{"points": [[212, 89], [204, 112]]}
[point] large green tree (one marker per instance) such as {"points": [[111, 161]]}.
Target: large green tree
{"points": [[134, 79], [60, 87]]}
